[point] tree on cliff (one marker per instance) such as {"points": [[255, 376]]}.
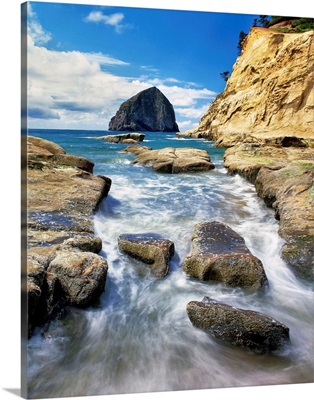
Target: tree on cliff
{"points": [[225, 75], [242, 36]]}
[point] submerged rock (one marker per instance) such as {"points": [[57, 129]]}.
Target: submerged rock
{"points": [[171, 160], [245, 328], [220, 254], [148, 111], [150, 249]]}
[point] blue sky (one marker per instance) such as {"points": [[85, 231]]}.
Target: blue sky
{"points": [[84, 60]]}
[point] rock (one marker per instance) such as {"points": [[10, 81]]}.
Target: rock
{"points": [[69, 273], [35, 287], [84, 243], [38, 145], [219, 254], [150, 249], [63, 265], [44, 153], [269, 94], [129, 141], [123, 138], [136, 150], [148, 111], [245, 328], [171, 160], [139, 137], [289, 191], [62, 193], [283, 178], [82, 276]]}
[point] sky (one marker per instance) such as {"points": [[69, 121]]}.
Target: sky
{"points": [[83, 61]]}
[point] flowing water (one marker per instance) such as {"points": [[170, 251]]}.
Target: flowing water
{"points": [[139, 338]]}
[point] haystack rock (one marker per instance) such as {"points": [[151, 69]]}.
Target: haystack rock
{"points": [[148, 111]]}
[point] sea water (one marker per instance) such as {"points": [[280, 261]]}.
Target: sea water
{"points": [[139, 337]]}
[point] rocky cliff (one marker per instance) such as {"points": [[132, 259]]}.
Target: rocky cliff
{"points": [[148, 111], [269, 93]]}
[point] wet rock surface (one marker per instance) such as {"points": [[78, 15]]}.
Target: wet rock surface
{"points": [[283, 178], [63, 265], [245, 328], [151, 249], [219, 254], [67, 274], [62, 193], [171, 160]]}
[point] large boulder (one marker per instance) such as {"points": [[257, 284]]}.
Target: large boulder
{"points": [[245, 328], [219, 254], [171, 160], [82, 276], [150, 249], [148, 111], [69, 273]]}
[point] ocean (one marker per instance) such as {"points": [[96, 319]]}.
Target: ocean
{"points": [[139, 337]]}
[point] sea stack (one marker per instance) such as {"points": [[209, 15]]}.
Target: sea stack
{"points": [[148, 111]]}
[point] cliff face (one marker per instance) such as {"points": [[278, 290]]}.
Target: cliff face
{"points": [[269, 93], [149, 111]]}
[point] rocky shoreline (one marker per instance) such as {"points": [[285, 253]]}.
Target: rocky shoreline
{"points": [[63, 262]]}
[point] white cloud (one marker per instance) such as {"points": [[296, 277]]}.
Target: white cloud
{"points": [[103, 59], [149, 68], [187, 125], [186, 97], [112, 19], [70, 90], [192, 112], [34, 28]]}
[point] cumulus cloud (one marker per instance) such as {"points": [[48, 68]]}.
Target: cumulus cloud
{"points": [[73, 85], [192, 112], [71, 90], [112, 19], [187, 125], [34, 28]]}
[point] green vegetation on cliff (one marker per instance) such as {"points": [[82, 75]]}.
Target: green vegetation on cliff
{"points": [[291, 24]]}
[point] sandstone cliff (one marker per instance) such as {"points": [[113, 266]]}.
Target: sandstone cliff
{"points": [[148, 111], [269, 93]]}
